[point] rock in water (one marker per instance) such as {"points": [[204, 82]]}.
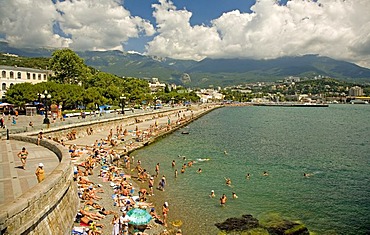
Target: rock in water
{"points": [[238, 224], [248, 222]]}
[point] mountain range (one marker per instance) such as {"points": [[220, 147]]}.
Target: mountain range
{"points": [[216, 72]]}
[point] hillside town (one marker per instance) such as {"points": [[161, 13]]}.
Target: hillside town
{"points": [[319, 89]]}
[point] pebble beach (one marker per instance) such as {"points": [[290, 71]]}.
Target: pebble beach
{"points": [[104, 165]]}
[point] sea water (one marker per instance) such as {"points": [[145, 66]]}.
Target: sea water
{"points": [[332, 144]]}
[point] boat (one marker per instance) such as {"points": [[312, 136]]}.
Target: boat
{"points": [[358, 101]]}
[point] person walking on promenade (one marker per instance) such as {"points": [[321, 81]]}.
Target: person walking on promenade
{"points": [[40, 172], [23, 154], [2, 122], [39, 137]]}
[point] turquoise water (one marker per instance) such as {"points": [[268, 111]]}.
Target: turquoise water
{"points": [[331, 143]]}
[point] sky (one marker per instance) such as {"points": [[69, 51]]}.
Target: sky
{"points": [[194, 29]]}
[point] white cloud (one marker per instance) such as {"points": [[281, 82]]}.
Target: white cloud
{"points": [[100, 24], [29, 23], [89, 24], [336, 28]]}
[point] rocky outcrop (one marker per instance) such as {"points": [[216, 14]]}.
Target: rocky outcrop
{"points": [[249, 223], [246, 222]]}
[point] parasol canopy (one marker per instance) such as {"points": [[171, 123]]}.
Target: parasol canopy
{"points": [[138, 216]]}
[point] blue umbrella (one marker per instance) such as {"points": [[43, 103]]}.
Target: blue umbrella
{"points": [[138, 216]]}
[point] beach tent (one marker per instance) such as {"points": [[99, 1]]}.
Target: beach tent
{"points": [[5, 104], [104, 108]]}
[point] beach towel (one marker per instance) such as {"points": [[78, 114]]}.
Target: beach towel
{"points": [[83, 224], [79, 231]]}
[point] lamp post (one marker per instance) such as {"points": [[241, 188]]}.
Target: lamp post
{"points": [[173, 102], [39, 100], [123, 101], [46, 97]]}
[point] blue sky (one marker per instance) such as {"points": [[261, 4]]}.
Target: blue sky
{"points": [[194, 29], [203, 12]]}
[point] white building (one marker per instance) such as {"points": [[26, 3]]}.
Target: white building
{"points": [[356, 91], [209, 95], [10, 76], [155, 85]]}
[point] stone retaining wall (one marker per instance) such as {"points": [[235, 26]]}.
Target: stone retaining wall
{"points": [[103, 125], [50, 206]]}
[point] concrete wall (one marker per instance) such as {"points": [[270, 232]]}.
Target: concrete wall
{"points": [[103, 125], [50, 206]]}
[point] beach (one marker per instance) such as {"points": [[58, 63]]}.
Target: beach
{"points": [[101, 165]]}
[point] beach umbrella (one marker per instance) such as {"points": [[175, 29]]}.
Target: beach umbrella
{"points": [[138, 216]]}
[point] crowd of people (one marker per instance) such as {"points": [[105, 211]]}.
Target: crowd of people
{"points": [[126, 193]]}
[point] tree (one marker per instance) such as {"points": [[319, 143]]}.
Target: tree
{"points": [[68, 67], [21, 94]]}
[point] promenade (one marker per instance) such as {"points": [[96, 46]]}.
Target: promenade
{"points": [[14, 181]]}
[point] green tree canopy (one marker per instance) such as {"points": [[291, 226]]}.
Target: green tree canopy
{"points": [[68, 67]]}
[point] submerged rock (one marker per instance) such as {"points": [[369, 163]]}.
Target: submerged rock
{"points": [[238, 224], [288, 228], [248, 224]]}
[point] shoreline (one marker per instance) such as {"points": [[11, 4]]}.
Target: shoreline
{"points": [[165, 130]]}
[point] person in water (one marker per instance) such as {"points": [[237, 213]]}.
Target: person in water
{"points": [[223, 200], [234, 195], [212, 194], [265, 173]]}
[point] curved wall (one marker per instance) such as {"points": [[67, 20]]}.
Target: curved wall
{"points": [[50, 206]]}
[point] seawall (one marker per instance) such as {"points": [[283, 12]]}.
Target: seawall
{"points": [[50, 206]]}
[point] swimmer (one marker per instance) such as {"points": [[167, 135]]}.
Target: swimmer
{"points": [[203, 159], [173, 163], [225, 152], [176, 173], [228, 181], [212, 194], [234, 195], [248, 176], [307, 174], [223, 200], [199, 170], [265, 173]]}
